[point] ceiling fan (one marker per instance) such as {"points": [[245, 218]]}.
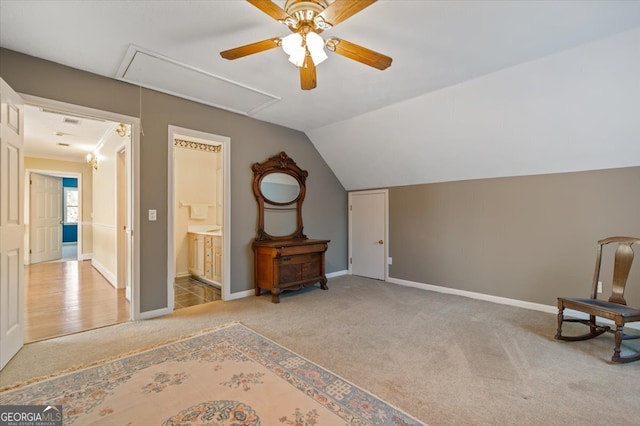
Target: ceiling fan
{"points": [[307, 19]]}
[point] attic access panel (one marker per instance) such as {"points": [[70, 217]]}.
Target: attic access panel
{"points": [[157, 72]]}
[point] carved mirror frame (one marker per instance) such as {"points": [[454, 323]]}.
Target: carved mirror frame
{"points": [[280, 163]]}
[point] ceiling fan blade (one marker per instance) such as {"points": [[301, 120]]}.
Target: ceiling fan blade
{"points": [[250, 49], [308, 74], [270, 8], [359, 53], [340, 10]]}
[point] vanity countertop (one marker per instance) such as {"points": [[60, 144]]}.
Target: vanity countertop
{"points": [[212, 233], [213, 230]]}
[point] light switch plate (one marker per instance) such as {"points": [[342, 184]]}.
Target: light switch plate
{"points": [[152, 214]]}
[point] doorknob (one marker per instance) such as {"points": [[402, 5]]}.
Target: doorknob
{"points": [[380, 242]]}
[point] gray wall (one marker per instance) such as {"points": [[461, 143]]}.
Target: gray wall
{"points": [[530, 238], [324, 209]]}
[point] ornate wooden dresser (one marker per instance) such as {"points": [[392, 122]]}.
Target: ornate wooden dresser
{"points": [[284, 260]]}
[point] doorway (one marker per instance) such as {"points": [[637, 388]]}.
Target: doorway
{"points": [[199, 219], [368, 233], [94, 273]]}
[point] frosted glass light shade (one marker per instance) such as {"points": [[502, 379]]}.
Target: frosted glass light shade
{"points": [[292, 43], [315, 44]]}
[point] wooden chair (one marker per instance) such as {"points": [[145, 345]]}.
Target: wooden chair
{"points": [[615, 309]]}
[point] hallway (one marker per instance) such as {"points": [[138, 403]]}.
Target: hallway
{"points": [[67, 297]]}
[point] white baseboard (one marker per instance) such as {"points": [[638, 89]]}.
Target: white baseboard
{"points": [[110, 276], [240, 294], [86, 256], [502, 300], [153, 314], [337, 274], [247, 293]]}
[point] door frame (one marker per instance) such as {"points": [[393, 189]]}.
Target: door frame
{"points": [[225, 141], [122, 195], [385, 192], [27, 208], [133, 184]]}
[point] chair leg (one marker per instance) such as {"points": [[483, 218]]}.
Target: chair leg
{"points": [[592, 324], [619, 335], [560, 321], [616, 350]]}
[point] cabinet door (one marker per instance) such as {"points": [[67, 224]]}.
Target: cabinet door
{"points": [[199, 255], [208, 257], [217, 259], [193, 252]]}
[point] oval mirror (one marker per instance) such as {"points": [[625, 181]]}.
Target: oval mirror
{"points": [[279, 188]]}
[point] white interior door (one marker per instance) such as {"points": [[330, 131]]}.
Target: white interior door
{"points": [[11, 223], [46, 218], [368, 233]]}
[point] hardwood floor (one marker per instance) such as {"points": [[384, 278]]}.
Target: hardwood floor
{"points": [[68, 297]]}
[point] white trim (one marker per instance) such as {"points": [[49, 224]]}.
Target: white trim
{"points": [[240, 295], [104, 225], [203, 137], [501, 300], [385, 192], [337, 274], [247, 293], [155, 313], [104, 271]]}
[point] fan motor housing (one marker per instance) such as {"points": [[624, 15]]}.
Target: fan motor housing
{"points": [[303, 7]]}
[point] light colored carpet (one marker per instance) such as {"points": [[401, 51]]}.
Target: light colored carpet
{"points": [[230, 376], [446, 360]]}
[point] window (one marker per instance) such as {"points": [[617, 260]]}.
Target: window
{"points": [[70, 205]]}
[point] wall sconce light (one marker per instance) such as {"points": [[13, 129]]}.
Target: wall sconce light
{"points": [[92, 160], [121, 130]]}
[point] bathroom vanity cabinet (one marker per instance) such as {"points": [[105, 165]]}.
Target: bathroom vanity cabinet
{"points": [[205, 256]]}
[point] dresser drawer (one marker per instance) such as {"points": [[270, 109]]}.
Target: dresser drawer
{"points": [[294, 250], [292, 260]]}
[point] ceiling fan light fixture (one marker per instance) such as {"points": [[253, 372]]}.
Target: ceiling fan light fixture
{"points": [[315, 44], [297, 58], [292, 44], [307, 19]]}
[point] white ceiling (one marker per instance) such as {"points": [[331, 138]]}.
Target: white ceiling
{"points": [[434, 45], [63, 135]]}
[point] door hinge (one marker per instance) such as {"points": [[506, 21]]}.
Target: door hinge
{"points": [[351, 261], [29, 251], [351, 208]]}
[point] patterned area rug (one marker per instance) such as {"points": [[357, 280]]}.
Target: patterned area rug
{"points": [[228, 376]]}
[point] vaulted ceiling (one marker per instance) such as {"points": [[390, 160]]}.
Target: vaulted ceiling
{"points": [[411, 123]]}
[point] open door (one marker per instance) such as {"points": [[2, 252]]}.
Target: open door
{"points": [[46, 218], [11, 223]]}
